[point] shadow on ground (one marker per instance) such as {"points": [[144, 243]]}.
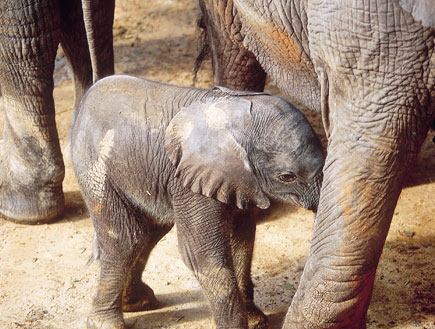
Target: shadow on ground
{"points": [[75, 208], [411, 286], [414, 299]]}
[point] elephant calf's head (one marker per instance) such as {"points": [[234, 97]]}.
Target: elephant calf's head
{"points": [[247, 148]]}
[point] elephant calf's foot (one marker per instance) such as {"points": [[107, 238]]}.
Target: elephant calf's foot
{"points": [[256, 318], [138, 298], [30, 205]]}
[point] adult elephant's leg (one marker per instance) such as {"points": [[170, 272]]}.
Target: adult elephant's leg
{"points": [[363, 180], [356, 205], [233, 66], [32, 168], [242, 247], [380, 108]]}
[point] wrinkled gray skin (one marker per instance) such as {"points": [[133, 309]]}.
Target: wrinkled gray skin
{"points": [[371, 71], [32, 169], [148, 155]]}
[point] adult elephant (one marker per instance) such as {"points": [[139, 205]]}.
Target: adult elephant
{"points": [[369, 66], [32, 169]]}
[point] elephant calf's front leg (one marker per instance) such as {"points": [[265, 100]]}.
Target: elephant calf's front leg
{"points": [[137, 295], [204, 246], [242, 247]]}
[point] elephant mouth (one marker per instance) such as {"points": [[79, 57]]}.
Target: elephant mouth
{"points": [[293, 198], [313, 208], [287, 197], [296, 200]]}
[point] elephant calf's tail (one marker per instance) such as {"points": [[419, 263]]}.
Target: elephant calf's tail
{"points": [[95, 252]]}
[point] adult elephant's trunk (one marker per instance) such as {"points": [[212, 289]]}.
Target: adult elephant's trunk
{"points": [[98, 16], [363, 179]]}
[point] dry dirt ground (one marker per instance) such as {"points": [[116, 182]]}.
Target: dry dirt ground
{"points": [[44, 279]]}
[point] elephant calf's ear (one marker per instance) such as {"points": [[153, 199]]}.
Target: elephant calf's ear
{"points": [[208, 159]]}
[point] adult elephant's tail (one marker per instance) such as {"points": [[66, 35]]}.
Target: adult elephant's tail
{"points": [[98, 16]]}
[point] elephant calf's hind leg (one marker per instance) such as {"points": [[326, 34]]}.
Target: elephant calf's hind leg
{"points": [[137, 295]]}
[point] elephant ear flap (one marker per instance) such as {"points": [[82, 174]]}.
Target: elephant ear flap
{"points": [[200, 142]]}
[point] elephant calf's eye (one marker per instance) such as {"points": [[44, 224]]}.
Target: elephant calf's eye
{"points": [[287, 178]]}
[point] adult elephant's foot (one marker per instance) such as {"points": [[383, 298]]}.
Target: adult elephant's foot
{"points": [[139, 297], [256, 318], [31, 204], [95, 321]]}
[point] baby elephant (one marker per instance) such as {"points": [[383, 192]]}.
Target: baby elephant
{"points": [[150, 155]]}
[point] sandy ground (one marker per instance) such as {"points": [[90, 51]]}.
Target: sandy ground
{"points": [[44, 279]]}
